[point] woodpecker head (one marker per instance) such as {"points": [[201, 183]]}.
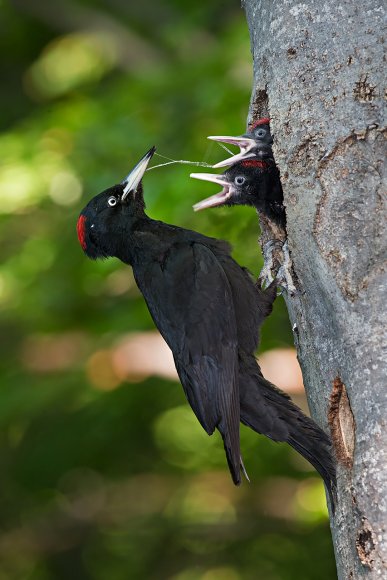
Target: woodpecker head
{"points": [[255, 143], [260, 131], [241, 184], [104, 224]]}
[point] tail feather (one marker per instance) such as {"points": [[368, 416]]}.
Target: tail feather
{"points": [[234, 464], [269, 411], [229, 430], [322, 461]]}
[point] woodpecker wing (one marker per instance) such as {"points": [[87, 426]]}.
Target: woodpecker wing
{"points": [[190, 299]]}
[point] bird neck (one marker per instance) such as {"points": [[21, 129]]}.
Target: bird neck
{"points": [[134, 238], [137, 205]]}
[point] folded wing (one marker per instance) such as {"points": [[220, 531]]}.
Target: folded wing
{"points": [[191, 302]]}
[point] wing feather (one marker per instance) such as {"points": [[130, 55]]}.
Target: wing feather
{"points": [[191, 301]]}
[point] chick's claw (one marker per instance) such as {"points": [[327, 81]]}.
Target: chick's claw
{"points": [[270, 262], [284, 276]]}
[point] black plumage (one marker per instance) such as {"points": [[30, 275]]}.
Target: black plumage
{"points": [[253, 182], [256, 143], [253, 178], [209, 311]]}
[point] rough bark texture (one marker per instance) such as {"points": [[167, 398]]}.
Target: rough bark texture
{"points": [[318, 74]]}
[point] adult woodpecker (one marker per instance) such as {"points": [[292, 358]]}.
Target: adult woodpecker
{"points": [[209, 312]]}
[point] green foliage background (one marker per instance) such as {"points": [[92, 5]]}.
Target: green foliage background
{"points": [[122, 483]]}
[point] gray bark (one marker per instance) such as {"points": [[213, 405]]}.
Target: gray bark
{"points": [[318, 75]]}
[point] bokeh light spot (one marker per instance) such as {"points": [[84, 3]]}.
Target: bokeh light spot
{"points": [[70, 61], [310, 502], [58, 140], [184, 442], [141, 355], [44, 353], [100, 371], [281, 367], [65, 188], [221, 573], [203, 501], [19, 185]]}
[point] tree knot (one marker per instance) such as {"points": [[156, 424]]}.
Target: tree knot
{"points": [[341, 423], [365, 544]]}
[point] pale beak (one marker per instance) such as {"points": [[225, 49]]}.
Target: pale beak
{"points": [[217, 199], [245, 144], [132, 181]]}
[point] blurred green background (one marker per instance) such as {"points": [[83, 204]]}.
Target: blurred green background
{"points": [[105, 472]]}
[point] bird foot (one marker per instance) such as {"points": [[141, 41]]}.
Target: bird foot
{"points": [[269, 262], [284, 276]]}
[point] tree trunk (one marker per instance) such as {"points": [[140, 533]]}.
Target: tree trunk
{"points": [[318, 75]]}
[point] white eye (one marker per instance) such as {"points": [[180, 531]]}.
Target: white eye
{"points": [[261, 133], [239, 180], [112, 201]]}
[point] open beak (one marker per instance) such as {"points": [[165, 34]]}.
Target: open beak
{"points": [[217, 199], [131, 181], [245, 144]]}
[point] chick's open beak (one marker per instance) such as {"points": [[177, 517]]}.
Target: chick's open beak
{"points": [[217, 199], [245, 144]]}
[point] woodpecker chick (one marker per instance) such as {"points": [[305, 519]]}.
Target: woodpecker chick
{"points": [[253, 182], [257, 183], [255, 143]]}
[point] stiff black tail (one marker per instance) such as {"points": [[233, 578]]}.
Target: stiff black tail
{"points": [[269, 411], [228, 427], [316, 447]]}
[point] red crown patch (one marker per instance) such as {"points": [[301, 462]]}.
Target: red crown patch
{"points": [[264, 121], [81, 231], [255, 163]]}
